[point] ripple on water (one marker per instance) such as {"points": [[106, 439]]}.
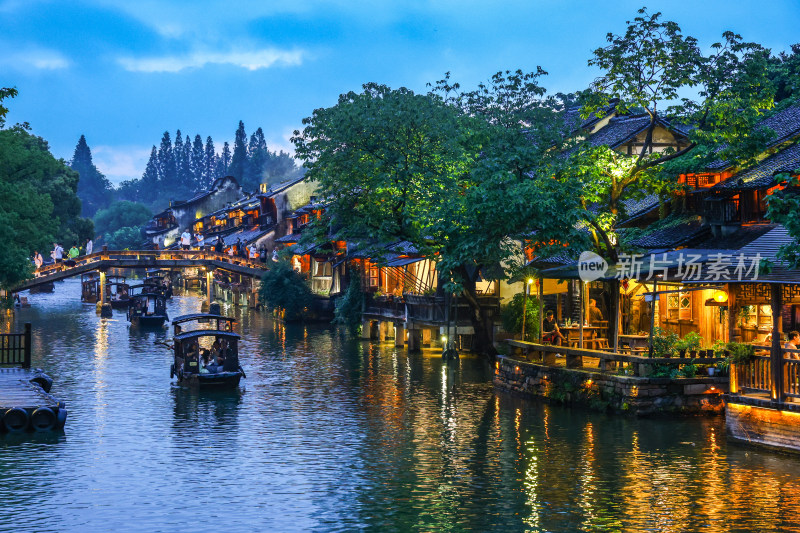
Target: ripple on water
{"points": [[329, 434]]}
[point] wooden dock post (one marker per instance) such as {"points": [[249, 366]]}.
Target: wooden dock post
{"points": [[102, 305]]}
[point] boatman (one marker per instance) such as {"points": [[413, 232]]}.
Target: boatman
{"points": [[186, 239]]}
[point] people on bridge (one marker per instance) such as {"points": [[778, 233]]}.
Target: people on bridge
{"points": [[186, 239], [219, 246], [72, 254], [253, 252], [89, 247], [58, 253], [37, 260], [240, 251], [200, 240]]}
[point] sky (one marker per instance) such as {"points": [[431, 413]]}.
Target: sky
{"points": [[123, 72]]}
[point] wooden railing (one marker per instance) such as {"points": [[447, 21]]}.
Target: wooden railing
{"points": [[15, 348], [574, 357], [755, 376]]}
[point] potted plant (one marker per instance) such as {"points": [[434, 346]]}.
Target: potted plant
{"points": [[741, 353], [689, 343], [723, 366], [664, 343]]}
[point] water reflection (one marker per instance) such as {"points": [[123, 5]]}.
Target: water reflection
{"points": [[332, 434]]}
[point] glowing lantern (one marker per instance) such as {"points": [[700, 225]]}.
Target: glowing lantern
{"points": [[720, 296]]}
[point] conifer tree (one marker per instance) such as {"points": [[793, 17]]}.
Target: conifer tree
{"points": [[94, 189], [150, 179], [238, 162], [210, 163], [185, 176], [166, 165], [258, 154], [197, 161], [224, 161]]}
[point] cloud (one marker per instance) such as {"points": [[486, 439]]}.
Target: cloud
{"points": [[39, 59], [250, 60], [120, 163]]}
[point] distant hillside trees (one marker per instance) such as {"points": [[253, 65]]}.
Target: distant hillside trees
{"points": [[119, 226], [178, 170], [94, 189]]}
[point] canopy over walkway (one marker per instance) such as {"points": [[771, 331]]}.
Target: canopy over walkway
{"points": [[145, 259]]}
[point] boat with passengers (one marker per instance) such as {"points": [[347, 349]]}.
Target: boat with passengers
{"points": [[206, 351], [116, 289], [147, 308]]}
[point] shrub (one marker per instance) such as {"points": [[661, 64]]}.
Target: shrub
{"points": [[285, 290], [664, 343], [349, 306], [511, 315]]}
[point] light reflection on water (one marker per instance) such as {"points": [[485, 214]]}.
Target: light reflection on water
{"points": [[329, 434]]}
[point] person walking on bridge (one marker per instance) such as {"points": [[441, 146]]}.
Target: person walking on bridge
{"points": [[200, 240], [186, 239], [219, 246], [89, 246], [58, 253], [37, 260]]}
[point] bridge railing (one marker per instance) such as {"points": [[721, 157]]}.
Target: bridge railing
{"points": [[150, 255], [15, 348]]}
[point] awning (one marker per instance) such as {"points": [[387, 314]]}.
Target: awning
{"points": [[403, 261]]}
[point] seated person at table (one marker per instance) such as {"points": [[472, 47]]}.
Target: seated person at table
{"points": [[550, 329], [595, 314]]}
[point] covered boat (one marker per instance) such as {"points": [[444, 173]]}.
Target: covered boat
{"points": [[117, 292], [90, 287], [146, 308], [206, 351]]}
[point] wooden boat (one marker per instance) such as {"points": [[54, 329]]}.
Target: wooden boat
{"points": [[198, 338], [118, 293], [160, 278], [90, 287], [146, 308]]}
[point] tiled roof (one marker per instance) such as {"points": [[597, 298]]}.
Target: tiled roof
{"points": [[741, 237], [761, 175], [768, 244], [637, 207], [670, 237], [288, 238], [785, 123]]}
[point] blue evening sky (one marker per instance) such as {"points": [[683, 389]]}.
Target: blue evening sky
{"points": [[124, 71]]}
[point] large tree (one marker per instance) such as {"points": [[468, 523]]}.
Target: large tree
{"points": [[38, 202], [94, 189], [436, 171], [656, 70], [238, 165]]}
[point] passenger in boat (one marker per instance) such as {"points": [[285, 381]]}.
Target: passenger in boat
{"points": [[190, 356], [206, 356]]}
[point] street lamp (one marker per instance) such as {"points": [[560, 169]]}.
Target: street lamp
{"points": [[525, 305]]}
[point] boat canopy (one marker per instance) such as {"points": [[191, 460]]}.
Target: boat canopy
{"points": [[206, 333], [199, 316]]}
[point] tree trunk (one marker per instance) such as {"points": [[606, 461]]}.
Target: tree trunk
{"points": [[483, 335]]}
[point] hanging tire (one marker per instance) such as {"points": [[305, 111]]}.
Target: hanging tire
{"points": [[62, 417], [43, 419], [15, 420]]}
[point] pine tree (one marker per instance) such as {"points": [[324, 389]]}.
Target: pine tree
{"points": [[150, 179], [166, 166], [258, 153], [210, 164], [224, 161], [238, 163], [197, 161], [94, 189], [185, 175]]}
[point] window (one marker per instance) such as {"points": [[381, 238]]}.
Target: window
{"points": [[679, 305]]}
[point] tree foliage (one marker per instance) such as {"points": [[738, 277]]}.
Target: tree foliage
{"points": [[511, 316], [348, 312], [94, 189], [38, 202], [284, 290], [121, 223]]}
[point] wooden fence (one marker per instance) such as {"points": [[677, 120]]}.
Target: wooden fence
{"points": [[15, 348], [755, 376]]}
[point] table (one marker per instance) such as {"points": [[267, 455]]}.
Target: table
{"points": [[635, 342], [589, 335]]}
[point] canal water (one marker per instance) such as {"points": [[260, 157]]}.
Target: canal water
{"points": [[329, 434]]}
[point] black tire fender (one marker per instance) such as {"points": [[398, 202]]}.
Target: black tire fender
{"points": [[16, 420], [43, 419], [62, 417]]}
